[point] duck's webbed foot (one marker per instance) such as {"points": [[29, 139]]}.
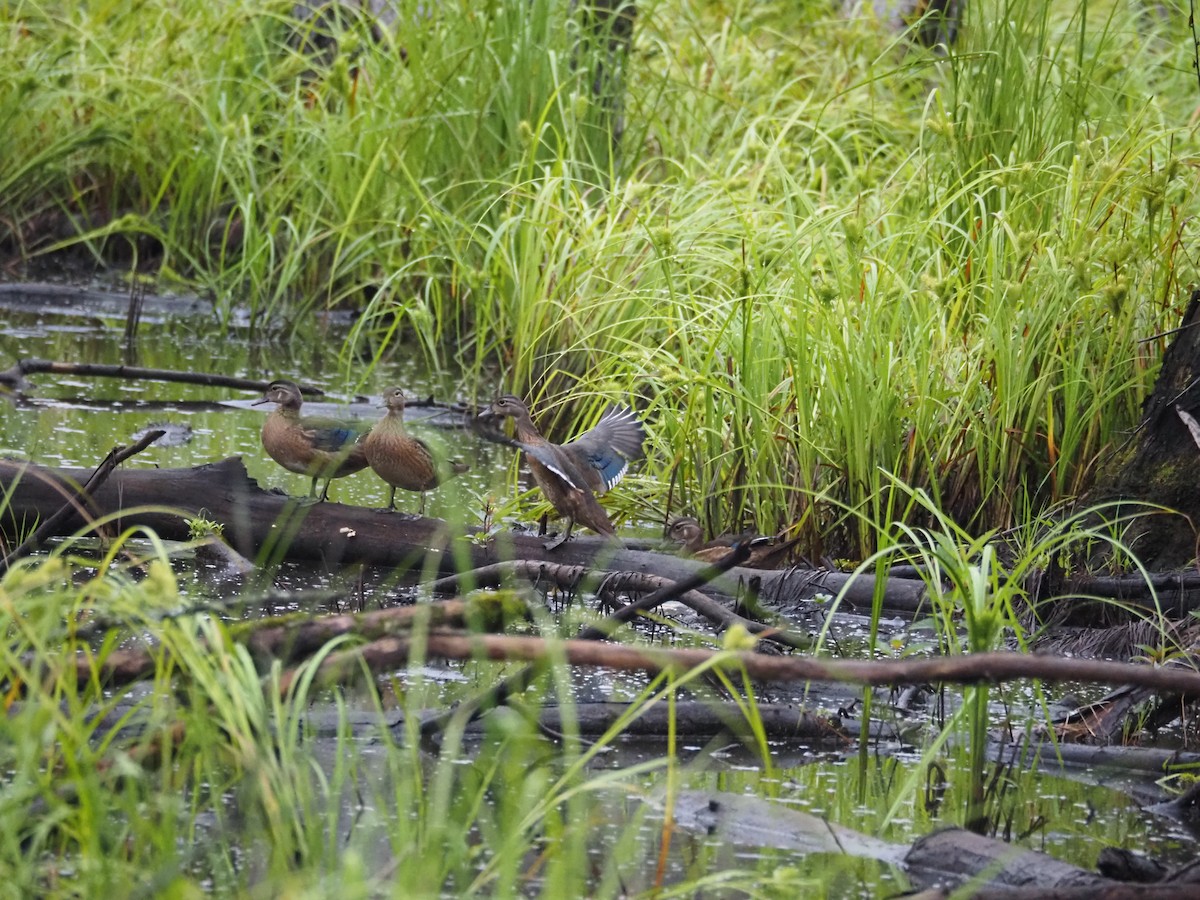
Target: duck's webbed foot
{"points": [[561, 539]]}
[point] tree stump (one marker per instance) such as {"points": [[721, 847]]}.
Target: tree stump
{"points": [[1159, 463]]}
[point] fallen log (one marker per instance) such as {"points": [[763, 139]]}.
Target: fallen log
{"points": [[14, 377], [622, 582], [50, 525], [268, 527], [997, 870], [697, 719], [1126, 759]]}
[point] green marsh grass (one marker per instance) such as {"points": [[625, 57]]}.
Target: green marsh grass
{"points": [[217, 777], [208, 776], [221, 780], [815, 254], [979, 594], [835, 272], [215, 765]]}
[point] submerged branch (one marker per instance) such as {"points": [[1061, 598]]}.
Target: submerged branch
{"points": [[392, 653], [14, 377]]}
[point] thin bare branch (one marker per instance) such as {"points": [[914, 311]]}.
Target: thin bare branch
{"points": [[392, 653], [78, 501]]}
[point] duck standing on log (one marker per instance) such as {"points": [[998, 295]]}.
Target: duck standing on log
{"points": [[402, 460], [315, 446], [572, 474]]}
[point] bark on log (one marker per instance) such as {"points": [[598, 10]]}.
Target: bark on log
{"points": [[267, 527], [1159, 463], [1011, 873], [963, 855]]}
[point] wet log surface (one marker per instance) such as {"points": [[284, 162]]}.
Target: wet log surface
{"points": [[997, 870], [961, 854], [268, 526]]}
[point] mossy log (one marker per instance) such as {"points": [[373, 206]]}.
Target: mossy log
{"points": [[1158, 464], [268, 527]]}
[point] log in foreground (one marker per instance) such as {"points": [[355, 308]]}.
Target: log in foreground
{"points": [[957, 855], [50, 526], [975, 866], [268, 526]]}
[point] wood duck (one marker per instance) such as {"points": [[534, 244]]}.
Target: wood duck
{"points": [[765, 553], [315, 446], [572, 474], [402, 460]]}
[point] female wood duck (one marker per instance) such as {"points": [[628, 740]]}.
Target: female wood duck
{"points": [[315, 446], [571, 475], [765, 553], [402, 460]]}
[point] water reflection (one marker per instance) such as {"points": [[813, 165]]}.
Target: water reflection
{"points": [[72, 421]]}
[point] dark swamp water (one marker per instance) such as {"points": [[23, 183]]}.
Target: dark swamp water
{"points": [[75, 421]]}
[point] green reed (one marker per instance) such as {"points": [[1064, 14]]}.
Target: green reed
{"points": [[211, 764], [980, 600], [814, 254]]}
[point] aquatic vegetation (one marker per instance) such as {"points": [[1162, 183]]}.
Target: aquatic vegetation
{"points": [[814, 255], [222, 766], [886, 301]]}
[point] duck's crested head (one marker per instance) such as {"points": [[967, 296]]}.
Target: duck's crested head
{"points": [[684, 530], [285, 393], [394, 400], [507, 406]]}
